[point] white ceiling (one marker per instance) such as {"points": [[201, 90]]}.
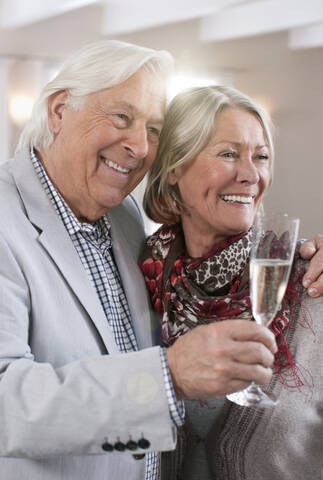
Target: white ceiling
{"points": [[192, 29]]}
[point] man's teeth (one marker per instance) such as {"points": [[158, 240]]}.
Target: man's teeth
{"points": [[236, 198], [117, 167]]}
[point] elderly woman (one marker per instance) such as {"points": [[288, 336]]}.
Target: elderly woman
{"points": [[213, 168]]}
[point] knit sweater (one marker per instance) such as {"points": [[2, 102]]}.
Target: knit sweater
{"points": [[280, 443]]}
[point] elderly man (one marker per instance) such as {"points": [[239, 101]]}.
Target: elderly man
{"points": [[83, 394]]}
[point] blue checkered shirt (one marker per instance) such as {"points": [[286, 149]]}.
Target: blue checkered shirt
{"points": [[93, 245]]}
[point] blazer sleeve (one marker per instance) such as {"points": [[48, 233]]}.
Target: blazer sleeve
{"points": [[71, 409]]}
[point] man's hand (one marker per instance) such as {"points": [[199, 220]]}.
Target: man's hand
{"points": [[313, 279], [220, 358]]}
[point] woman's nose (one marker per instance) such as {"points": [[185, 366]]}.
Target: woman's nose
{"points": [[137, 142], [247, 171]]}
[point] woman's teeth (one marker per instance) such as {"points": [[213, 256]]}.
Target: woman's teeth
{"points": [[115, 166], [236, 198]]}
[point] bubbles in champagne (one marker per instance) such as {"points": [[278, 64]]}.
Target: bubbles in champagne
{"points": [[268, 281]]}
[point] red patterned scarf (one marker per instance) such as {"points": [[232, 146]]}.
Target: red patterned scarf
{"points": [[189, 292]]}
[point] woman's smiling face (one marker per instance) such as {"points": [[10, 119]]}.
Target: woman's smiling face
{"points": [[223, 186]]}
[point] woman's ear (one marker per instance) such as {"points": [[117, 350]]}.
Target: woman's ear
{"points": [[56, 105]]}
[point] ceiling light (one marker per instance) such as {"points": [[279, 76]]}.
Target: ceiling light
{"points": [[181, 82], [20, 108]]}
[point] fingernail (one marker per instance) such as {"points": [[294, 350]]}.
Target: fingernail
{"points": [[306, 282], [313, 292]]}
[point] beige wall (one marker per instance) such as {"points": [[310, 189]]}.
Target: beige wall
{"points": [[293, 89]]}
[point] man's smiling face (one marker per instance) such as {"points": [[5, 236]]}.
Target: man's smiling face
{"points": [[102, 151]]}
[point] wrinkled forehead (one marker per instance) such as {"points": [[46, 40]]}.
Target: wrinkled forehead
{"points": [[143, 91]]}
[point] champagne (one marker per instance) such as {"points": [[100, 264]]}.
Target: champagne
{"points": [[268, 281]]}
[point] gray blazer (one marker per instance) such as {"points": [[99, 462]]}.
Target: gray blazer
{"points": [[64, 387]]}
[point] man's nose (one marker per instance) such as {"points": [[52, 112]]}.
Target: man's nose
{"points": [[247, 170], [136, 142]]}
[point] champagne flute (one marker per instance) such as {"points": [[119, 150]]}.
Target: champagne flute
{"points": [[271, 256]]}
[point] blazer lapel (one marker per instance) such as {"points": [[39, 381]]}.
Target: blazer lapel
{"points": [[132, 280], [63, 253], [56, 241]]}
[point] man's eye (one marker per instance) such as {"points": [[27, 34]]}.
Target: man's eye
{"points": [[228, 154], [155, 131], [121, 120], [123, 116]]}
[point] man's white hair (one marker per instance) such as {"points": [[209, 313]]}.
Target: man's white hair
{"points": [[94, 67]]}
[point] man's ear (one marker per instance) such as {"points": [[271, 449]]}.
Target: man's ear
{"points": [[56, 105]]}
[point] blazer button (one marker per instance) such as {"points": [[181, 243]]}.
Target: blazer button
{"points": [[138, 456], [119, 446], [107, 447], [131, 445], [144, 443]]}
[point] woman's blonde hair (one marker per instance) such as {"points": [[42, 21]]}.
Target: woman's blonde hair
{"points": [[92, 68], [188, 127]]}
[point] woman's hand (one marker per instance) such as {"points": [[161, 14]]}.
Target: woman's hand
{"points": [[220, 358], [313, 279]]}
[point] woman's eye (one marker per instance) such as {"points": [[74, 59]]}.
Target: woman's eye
{"points": [[228, 154], [263, 157]]}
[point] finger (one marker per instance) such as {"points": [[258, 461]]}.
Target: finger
{"points": [[316, 288], [315, 268], [253, 353], [247, 352], [308, 249], [313, 279], [256, 373], [245, 330], [243, 375]]}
